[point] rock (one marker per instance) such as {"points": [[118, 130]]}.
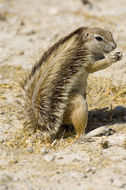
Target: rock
{"points": [[119, 183], [100, 132]]}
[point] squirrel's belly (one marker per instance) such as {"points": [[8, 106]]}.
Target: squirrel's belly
{"points": [[79, 88]]}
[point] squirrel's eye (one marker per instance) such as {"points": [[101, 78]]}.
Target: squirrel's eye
{"points": [[99, 38]]}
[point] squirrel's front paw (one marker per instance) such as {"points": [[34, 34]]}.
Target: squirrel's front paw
{"points": [[115, 56]]}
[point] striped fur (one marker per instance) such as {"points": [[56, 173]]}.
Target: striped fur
{"points": [[48, 86]]}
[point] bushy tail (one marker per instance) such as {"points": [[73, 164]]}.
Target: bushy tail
{"points": [[47, 88]]}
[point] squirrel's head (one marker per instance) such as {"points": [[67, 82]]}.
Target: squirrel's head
{"points": [[98, 41]]}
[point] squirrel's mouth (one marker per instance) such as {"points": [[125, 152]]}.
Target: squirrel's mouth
{"points": [[103, 55], [106, 52], [99, 56]]}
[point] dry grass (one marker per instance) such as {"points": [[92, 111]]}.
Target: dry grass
{"points": [[103, 97], [103, 93]]}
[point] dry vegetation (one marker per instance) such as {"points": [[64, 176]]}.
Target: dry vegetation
{"points": [[28, 160], [106, 103]]}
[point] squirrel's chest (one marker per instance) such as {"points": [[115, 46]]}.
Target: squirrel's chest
{"points": [[81, 83]]}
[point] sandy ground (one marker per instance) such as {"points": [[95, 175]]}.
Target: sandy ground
{"points": [[27, 28]]}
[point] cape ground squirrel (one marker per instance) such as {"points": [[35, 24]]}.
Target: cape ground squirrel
{"points": [[54, 91]]}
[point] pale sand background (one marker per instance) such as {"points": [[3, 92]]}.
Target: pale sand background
{"points": [[27, 28]]}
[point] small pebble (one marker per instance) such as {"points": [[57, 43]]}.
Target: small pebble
{"points": [[53, 11], [119, 183], [28, 31], [21, 52], [22, 23], [105, 144], [91, 170], [28, 141], [49, 158], [44, 150]]}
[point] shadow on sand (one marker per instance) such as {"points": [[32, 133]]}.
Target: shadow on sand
{"points": [[103, 117]]}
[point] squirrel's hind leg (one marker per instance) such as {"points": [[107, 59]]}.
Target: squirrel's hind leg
{"points": [[79, 115]]}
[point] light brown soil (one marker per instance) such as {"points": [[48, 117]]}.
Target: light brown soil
{"points": [[27, 28]]}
